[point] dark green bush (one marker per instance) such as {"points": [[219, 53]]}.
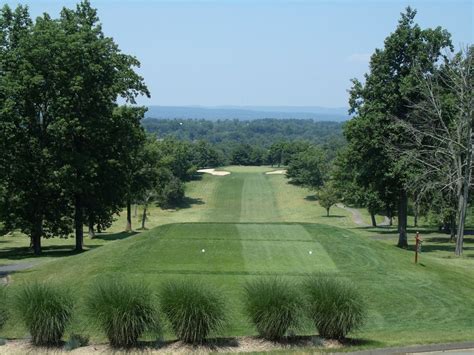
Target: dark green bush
{"points": [[3, 306], [193, 310], [335, 306], [45, 310], [273, 306], [123, 310]]}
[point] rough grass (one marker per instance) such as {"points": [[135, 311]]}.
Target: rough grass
{"points": [[3, 306], [253, 225]]}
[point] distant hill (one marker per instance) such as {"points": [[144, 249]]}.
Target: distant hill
{"points": [[246, 113]]}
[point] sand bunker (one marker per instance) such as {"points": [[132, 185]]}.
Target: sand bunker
{"points": [[214, 172], [276, 172]]}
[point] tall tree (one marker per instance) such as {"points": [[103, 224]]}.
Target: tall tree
{"points": [[389, 91], [33, 198], [441, 134], [95, 73]]}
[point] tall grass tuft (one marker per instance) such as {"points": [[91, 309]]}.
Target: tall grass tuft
{"points": [[3, 306], [274, 306], [335, 306], [123, 310], [46, 311], [193, 310]]}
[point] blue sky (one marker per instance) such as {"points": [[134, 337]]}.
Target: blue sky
{"points": [[282, 53]]}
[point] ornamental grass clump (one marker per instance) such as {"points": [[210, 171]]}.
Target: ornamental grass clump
{"points": [[123, 311], [334, 306], [46, 311], [193, 310], [3, 306], [273, 306]]}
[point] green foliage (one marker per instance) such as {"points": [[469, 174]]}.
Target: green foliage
{"points": [[193, 309], [45, 310], [3, 306], [335, 307], [328, 196], [76, 341], [257, 133], [273, 306], [58, 122], [309, 168], [123, 311]]}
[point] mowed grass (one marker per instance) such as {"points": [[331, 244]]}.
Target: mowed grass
{"points": [[248, 225]]}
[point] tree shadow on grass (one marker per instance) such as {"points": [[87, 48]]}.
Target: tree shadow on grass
{"points": [[115, 236], [55, 251], [311, 198], [333, 216], [187, 202]]}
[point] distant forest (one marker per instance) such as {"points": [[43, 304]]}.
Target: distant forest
{"points": [[227, 136]]}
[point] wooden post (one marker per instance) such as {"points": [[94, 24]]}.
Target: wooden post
{"points": [[417, 245]]}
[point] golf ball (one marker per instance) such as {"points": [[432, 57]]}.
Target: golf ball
{"points": [[203, 250], [310, 252]]}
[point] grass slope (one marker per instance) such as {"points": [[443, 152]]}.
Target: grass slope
{"points": [[250, 225]]}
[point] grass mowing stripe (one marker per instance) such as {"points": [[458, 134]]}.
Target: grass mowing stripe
{"points": [[297, 257], [258, 202]]}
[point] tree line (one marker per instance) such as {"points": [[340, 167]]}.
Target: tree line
{"points": [[237, 142]]}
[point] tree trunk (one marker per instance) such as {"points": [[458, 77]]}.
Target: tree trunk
{"points": [[79, 223], [416, 214], [36, 233], [128, 227], [402, 220], [452, 228], [372, 217], [464, 195], [91, 228], [144, 216], [390, 216]]}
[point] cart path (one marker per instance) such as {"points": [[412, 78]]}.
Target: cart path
{"points": [[6, 270], [357, 216], [449, 348]]}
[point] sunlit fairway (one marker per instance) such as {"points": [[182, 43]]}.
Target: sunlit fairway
{"points": [[249, 224]]}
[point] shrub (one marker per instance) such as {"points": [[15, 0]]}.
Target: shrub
{"points": [[273, 306], [123, 310], [45, 310], [334, 306], [3, 306], [193, 310]]}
